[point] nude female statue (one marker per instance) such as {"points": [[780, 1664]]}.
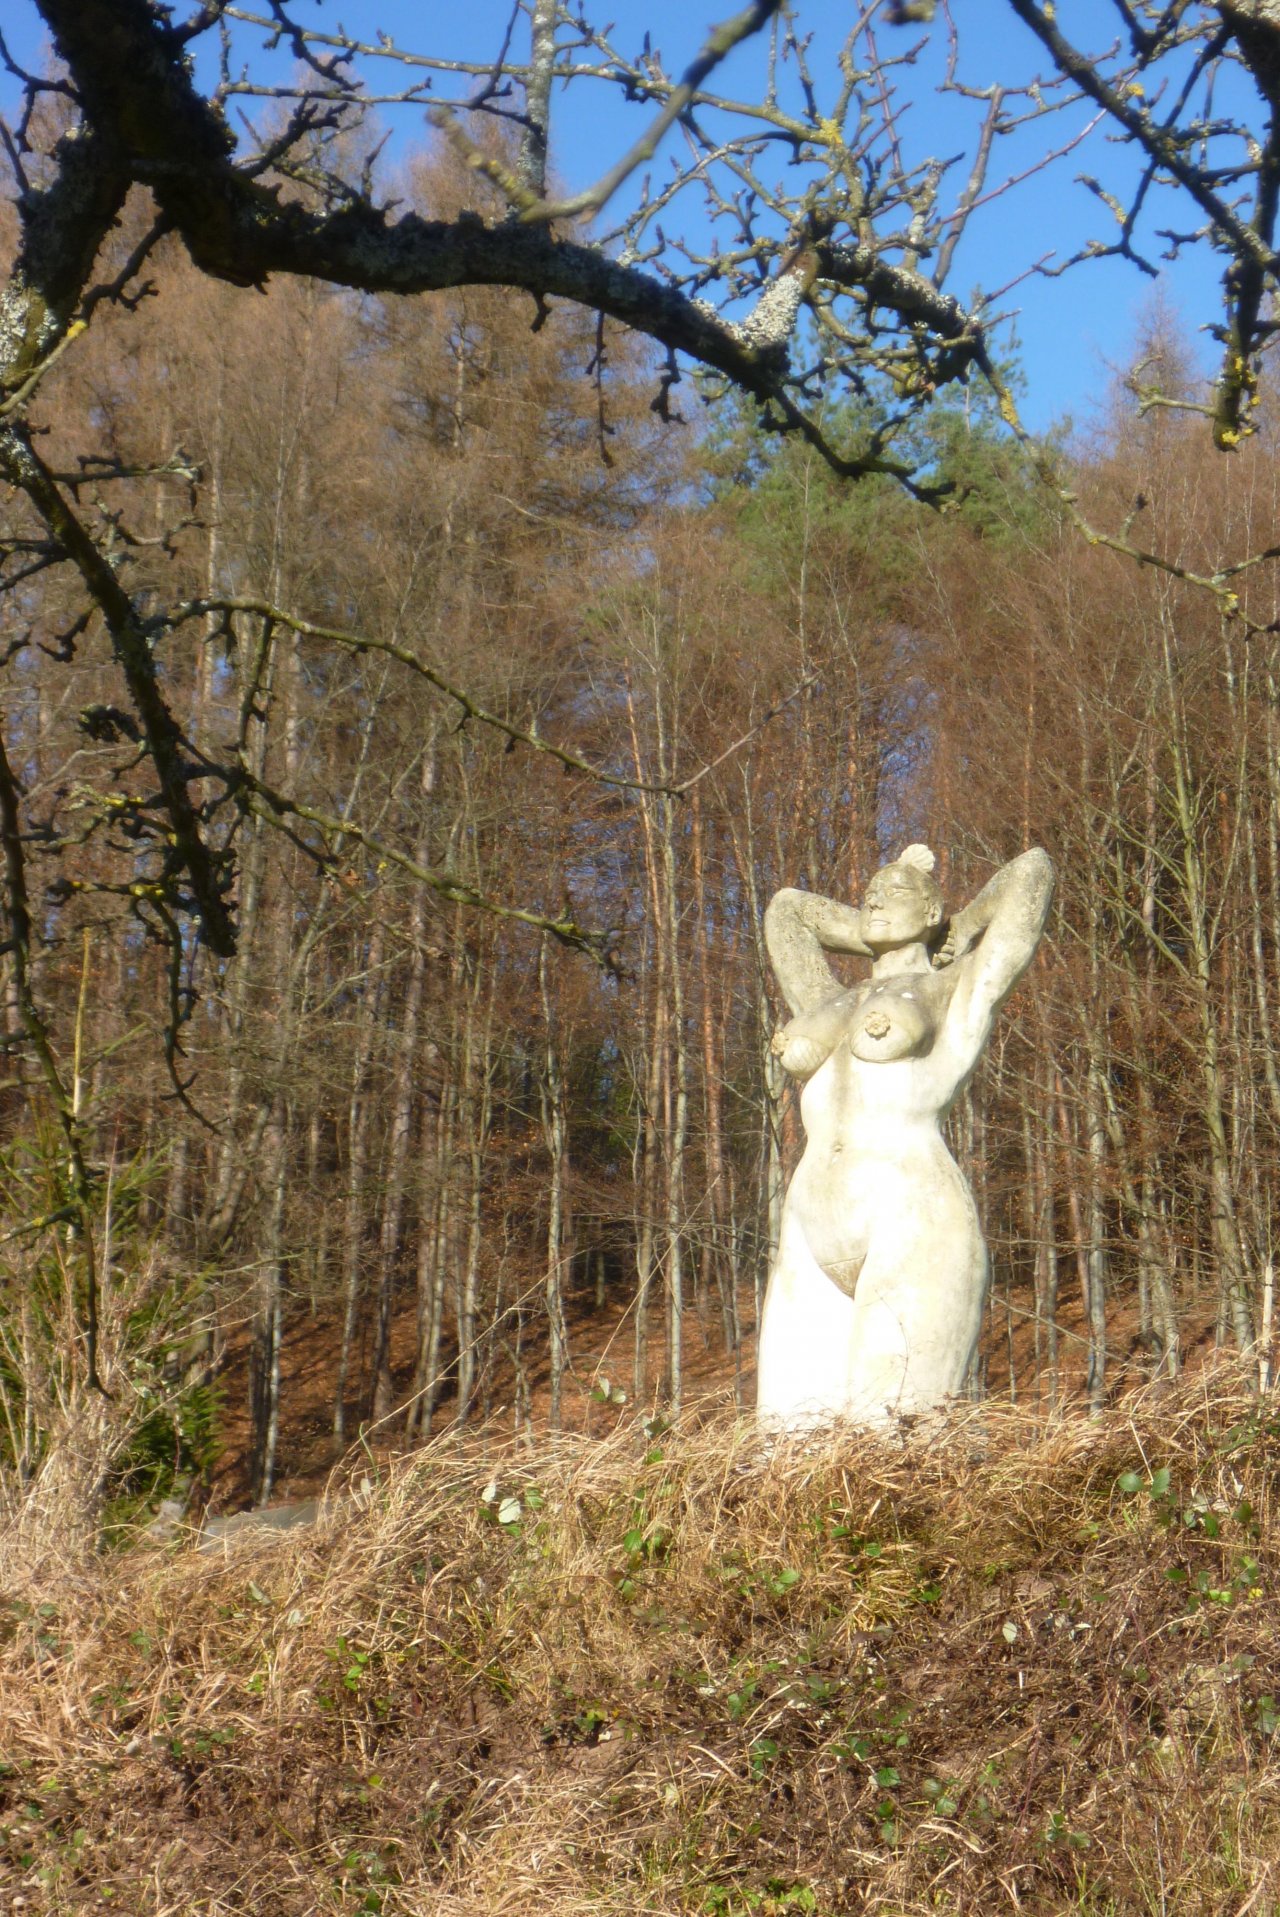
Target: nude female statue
{"points": [[875, 1299]]}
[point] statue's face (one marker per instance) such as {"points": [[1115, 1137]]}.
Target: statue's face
{"points": [[897, 909]]}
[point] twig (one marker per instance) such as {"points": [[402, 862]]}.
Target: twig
{"points": [[531, 209], [274, 807], [687, 785], [361, 643]]}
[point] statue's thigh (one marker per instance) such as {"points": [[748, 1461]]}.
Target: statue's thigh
{"points": [[806, 1336], [915, 1326]]}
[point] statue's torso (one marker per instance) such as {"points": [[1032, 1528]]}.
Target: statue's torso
{"points": [[875, 1159], [887, 1066]]}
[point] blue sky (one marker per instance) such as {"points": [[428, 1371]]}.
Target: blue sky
{"points": [[1069, 330]]}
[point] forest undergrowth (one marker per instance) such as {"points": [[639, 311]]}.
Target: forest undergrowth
{"points": [[997, 1664]]}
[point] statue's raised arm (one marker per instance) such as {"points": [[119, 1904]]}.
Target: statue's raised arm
{"points": [[798, 928], [991, 942]]}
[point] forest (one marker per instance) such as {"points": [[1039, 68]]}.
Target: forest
{"points": [[415, 691], [415, 1161]]}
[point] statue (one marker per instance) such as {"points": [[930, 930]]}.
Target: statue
{"points": [[875, 1299]]}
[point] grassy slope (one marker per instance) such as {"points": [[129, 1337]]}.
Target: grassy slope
{"points": [[996, 1669]]}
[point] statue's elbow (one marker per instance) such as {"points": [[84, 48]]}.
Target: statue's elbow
{"points": [[785, 906], [1048, 872], [782, 921], [1038, 874], [1036, 894]]}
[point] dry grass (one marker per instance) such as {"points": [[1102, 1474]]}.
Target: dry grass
{"points": [[977, 1670]]}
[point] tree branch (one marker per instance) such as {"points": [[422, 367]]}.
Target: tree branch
{"points": [[207, 874], [362, 643], [17, 946], [242, 230], [274, 807]]}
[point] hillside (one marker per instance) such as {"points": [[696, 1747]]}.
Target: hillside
{"points": [[1001, 1665], [599, 1345]]}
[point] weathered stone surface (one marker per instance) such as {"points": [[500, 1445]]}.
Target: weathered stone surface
{"points": [[875, 1299], [262, 1523]]}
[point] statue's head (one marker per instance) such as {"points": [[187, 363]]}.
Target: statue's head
{"points": [[903, 903]]}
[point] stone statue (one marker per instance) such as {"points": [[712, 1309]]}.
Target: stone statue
{"points": [[875, 1300]]}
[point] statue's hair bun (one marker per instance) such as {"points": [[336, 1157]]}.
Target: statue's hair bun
{"points": [[919, 856]]}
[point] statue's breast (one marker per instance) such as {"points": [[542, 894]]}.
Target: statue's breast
{"points": [[895, 1019]]}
